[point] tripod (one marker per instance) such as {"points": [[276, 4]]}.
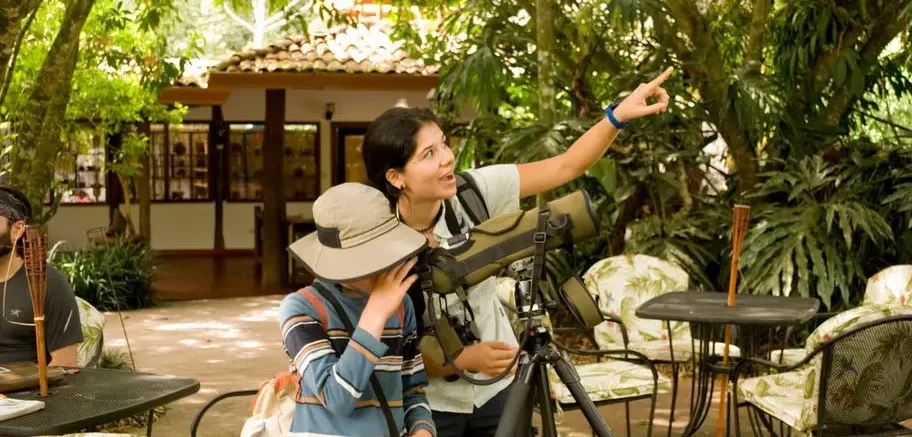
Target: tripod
{"points": [[532, 375]]}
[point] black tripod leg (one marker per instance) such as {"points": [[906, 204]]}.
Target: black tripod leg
{"points": [[570, 378], [545, 406], [516, 420]]}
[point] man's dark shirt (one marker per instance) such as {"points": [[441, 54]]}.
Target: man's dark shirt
{"points": [[61, 318]]}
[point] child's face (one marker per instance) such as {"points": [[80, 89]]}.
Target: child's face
{"points": [[364, 285]]}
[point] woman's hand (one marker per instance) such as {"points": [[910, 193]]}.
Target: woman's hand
{"points": [[636, 104], [489, 357]]}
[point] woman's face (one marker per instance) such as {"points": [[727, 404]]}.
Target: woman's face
{"points": [[428, 174]]}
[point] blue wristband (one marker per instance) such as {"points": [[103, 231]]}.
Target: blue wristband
{"points": [[609, 112]]}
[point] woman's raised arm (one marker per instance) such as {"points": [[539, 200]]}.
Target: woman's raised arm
{"points": [[540, 176]]}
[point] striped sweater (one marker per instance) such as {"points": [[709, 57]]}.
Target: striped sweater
{"points": [[336, 397]]}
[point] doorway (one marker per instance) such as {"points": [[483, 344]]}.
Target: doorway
{"points": [[347, 163]]}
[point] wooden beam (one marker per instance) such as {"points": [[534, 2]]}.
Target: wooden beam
{"points": [[323, 81], [192, 96], [274, 240], [217, 140]]}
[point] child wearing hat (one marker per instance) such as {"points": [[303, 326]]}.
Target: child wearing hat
{"points": [[352, 335]]}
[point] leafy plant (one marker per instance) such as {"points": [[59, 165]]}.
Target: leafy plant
{"points": [[112, 276], [817, 233]]}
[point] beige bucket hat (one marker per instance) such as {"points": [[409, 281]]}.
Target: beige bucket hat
{"points": [[357, 235]]}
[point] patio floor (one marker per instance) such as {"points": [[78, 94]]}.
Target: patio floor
{"points": [[233, 344]]}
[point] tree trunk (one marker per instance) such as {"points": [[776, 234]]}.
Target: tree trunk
{"points": [[629, 209], [704, 64], [274, 239], [144, 189], [544, 43], [38, 124]]}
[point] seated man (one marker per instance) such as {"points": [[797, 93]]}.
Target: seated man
{"points": [[63, 332]]}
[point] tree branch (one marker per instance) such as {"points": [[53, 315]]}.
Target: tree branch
{"points": [[884, 30], [12, 13], [284, 15], [236, 18], [7, 73]]}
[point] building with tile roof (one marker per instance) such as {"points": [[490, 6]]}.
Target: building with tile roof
{"points": [[287, 118]]}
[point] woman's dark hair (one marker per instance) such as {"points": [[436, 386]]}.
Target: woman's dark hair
{"points": [[390, 142]]}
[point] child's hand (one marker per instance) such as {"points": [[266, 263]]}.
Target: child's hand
{"points": [[422, 433], [387, 295]]}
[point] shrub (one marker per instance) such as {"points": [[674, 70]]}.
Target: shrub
{"points": [[112, 276]]}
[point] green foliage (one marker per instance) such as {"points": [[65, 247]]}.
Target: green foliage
{"points": [[112, 276], [123, 64], [796, 93], [823, 227]]}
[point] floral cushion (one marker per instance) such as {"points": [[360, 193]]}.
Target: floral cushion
{"points": [[608, 380], [659, 350], [623, 283], [845, 320], [790, 397], [892, 285], [788, 356], [605, 380], [92, 322]]}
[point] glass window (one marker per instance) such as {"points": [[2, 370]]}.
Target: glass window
{"points": [[179, 160], [245, 163], [82, 170]]}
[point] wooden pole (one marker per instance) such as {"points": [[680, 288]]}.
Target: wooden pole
{"points": [[274, 240], [42, 356], [739, 228]]}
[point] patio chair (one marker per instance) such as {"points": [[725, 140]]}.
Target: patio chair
{"points": [[890, 286], [92, 322], [625, 376], [856, 377], [620, 284]]}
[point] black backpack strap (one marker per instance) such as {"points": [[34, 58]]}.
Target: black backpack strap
{"points": [[452, 222], [328, 295], [470, 197]]}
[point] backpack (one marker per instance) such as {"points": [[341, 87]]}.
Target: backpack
{"points": [[273, 408]]}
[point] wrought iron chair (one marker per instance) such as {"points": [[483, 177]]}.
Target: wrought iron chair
{"points": [[890, 286], [856, 378]]}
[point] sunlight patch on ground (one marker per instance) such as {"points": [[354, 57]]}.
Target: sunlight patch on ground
{"points": [[249, 344], [193, 326]]}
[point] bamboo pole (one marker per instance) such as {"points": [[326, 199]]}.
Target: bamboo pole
{"points": [[739, 228], [35, 262]]}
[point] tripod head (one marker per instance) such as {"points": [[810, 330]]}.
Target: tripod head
{"points": [[527, 307]]}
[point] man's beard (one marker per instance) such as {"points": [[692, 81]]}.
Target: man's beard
{"points": [[6, 244]]}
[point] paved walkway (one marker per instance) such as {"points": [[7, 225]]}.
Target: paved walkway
{"points": [[233, 344]]}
